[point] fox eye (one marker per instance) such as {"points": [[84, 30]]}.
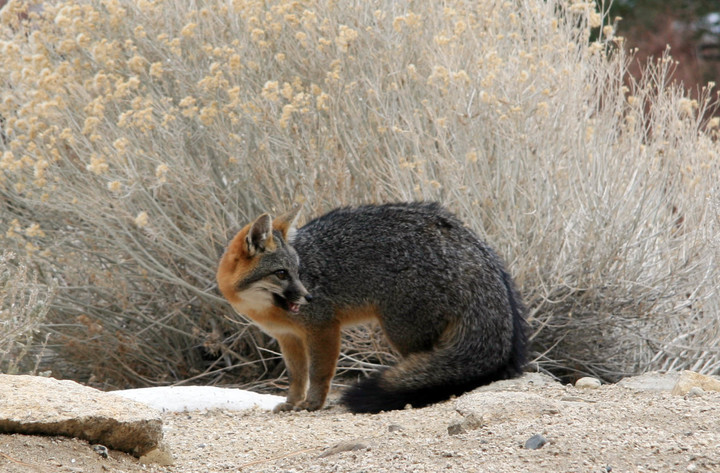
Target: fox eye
{"points": [[281, 274]]}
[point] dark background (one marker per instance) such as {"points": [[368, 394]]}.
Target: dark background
{"points": [[690, 27]]}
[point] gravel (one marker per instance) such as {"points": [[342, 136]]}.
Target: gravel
{"points": [[611, 428]]}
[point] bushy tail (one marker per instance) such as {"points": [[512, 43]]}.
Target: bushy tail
{"points": [[467, 361]]}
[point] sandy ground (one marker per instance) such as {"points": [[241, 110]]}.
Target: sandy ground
{"points": [[612, 428]]}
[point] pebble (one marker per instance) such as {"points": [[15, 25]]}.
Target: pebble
{"points": [[101, 450], [535, 442], [588, 383], [343, 447], [470, 422], [456, 429], [695, 391]]}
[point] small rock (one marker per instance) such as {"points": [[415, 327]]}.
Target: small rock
{"points": [[101, 450], [472, 421], [159, 456], [690, 379], [343, 447], [588, 383], [395, 428], [695, 391], [456, 429], [535, 442]]}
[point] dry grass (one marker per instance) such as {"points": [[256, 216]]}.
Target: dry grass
{"points": [[139, 135]]}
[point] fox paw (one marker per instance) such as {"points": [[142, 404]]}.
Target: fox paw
{"points": [[284, 407], [308, 406]]}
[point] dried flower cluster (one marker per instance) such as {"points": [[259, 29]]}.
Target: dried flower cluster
{"points": [[135, 135]]}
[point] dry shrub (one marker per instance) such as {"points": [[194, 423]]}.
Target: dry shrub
{"points": [[23, 306], [139, 135]]}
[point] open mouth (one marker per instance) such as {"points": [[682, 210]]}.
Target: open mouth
{"points": [[285, 304]]}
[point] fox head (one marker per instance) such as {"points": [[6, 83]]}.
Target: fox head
{"points": [[259, 269]]}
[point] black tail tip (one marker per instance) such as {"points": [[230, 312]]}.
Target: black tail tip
{"points": [[372, 395], [369, 396]]}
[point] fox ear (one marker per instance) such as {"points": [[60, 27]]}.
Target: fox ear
{"points": [[286, 223], [259, 237]]}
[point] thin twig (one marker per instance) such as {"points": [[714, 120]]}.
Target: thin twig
{"points": [[22, 463], [268, 460]]}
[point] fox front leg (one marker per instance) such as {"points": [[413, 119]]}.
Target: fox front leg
{"points": [[324, 349], [295, 355]]}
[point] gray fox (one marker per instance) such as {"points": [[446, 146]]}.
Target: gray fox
{"points": [[442, 297]]}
